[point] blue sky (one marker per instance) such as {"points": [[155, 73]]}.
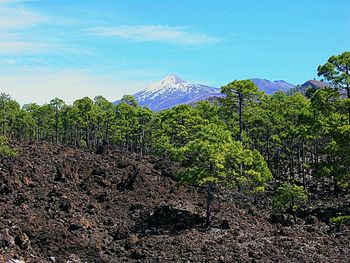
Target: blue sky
{"points": [[76, 48]]}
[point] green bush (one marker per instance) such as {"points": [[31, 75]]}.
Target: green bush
{"points": [[83, 144], [5, 150], [339, 220], [288, 198]]}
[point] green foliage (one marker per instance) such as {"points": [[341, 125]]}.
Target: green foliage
{"points": [[331, 124], [339, 220], [238, 95], [239, 89], [132, 125], [297, 89], [213, 156], [288, 197], [304, 137], [130, 100], [337, 70], [255, 173], [211, 112], [82, 144], [174, 128], [206, 155], [5, 150]]}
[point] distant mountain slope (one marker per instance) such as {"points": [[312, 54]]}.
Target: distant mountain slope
{"points": [[172, 91], [315, 84], [270, 87]]}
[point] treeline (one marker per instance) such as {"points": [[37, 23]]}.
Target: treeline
{"points": [[86, 124], [244, 139]]}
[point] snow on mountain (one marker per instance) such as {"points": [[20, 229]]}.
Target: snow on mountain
{"points": [[172, 91]]}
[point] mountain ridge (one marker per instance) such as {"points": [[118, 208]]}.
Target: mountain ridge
{"points": [[270, 87], [173, 90]]}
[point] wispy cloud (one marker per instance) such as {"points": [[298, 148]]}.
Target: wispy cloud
{"points": [[147, 33], [21, 32], [14, 20], [17, 18]]}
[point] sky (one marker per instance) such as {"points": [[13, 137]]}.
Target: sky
{"points": [[76, 48]]}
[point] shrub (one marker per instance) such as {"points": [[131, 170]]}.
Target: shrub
{"points": [[5, 150], [288, 199], [339, 220], [83, 144]]}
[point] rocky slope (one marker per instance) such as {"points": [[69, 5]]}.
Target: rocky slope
{"points": [[315, 84], [59, 204], [270, 87]]}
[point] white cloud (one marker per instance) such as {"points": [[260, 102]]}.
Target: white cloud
{"points": [[144, 33]]}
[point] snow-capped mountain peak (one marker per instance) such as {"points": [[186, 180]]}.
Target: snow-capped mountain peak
{"points": [[171, 91], [172, 80], [169, 82]]}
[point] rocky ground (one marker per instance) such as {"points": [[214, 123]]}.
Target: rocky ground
{"points": [[59, 204]]}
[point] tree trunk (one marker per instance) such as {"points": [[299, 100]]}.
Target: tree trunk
{"points": [[56, 125], [278, 163], [294, 217], [336, 187], [291, 164], [240, 113], [209, 202], [268, 149], [348, 93], [142, 143], [303, 165], [107, 132]]}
